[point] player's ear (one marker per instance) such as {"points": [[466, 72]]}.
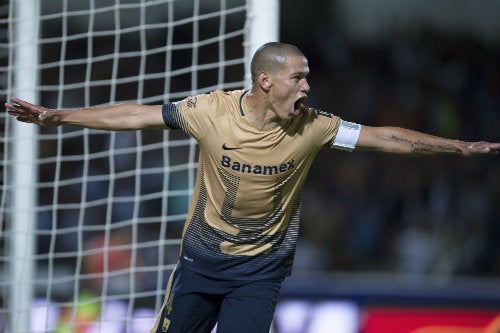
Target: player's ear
{"points": [[264, 81]]}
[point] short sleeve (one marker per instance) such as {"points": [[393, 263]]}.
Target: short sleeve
{"points": [[190, 114]]}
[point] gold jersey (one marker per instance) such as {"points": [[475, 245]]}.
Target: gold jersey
{"points": [[243, 219]]}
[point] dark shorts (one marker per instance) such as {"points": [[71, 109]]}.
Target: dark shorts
{"points": [[195, 303]]}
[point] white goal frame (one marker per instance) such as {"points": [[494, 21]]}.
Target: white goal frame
{"points": [[263, 26]]}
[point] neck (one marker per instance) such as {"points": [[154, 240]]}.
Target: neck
{"points": [[258, 112]]}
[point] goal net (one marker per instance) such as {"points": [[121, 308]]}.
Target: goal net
{"points": [[107, 208]]}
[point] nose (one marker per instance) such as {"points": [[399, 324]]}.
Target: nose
{"points": [[305, 86]]}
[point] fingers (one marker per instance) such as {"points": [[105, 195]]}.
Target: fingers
{"points": [[484, 148], [24, 112], [495, 149], [492, 148], [18, 104]]}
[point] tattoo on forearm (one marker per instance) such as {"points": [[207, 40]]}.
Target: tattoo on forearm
{"points": [[401, 140], [422, 147]]}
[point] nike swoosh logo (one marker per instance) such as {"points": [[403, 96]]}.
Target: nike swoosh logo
{"points": [[229, 148]]}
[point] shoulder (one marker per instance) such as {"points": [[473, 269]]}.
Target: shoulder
{"points": [[210, 101], [222, 96], [313, 115], [217, 100], [317, 124]]}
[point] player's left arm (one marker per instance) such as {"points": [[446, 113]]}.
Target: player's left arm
{"points": [[404, 141]]}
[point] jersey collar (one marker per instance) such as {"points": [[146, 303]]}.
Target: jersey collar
{"points": [[241, 101]]}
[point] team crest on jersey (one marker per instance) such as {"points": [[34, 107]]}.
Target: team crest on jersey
{"points": [[191, 102], [165, 325]]}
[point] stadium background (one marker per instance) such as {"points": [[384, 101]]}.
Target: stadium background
{"points": [[409, 241], [386, 239]]}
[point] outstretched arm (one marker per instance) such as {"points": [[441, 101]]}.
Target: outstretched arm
{"points": [[404, 141], [118, 117]]}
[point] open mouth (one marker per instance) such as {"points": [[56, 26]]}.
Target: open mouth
{"points": [[298, 106]]}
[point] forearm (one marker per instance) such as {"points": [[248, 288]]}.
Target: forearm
{"points": [[118, 117], [404, 141]]}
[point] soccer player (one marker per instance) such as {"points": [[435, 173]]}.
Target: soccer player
{"points": [[256, 147]]}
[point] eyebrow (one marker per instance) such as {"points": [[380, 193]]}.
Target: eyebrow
{"points": [[300, 73]]}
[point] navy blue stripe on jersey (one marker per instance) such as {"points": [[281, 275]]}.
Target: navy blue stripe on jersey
{"points": [[241, 100], [170, 115]]}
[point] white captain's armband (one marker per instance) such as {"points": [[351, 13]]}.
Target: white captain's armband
{"points": [[347, 136]]}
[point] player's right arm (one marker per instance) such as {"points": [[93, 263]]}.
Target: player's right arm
{"points": [[120, 117]]}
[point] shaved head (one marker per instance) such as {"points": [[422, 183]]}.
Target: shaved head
{"points": [[272, 57]]}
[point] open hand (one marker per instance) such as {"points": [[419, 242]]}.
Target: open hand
{"points": [[477, 148], [30, 113]]}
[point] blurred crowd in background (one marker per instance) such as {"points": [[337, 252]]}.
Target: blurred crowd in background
{"points": [[417, 215], [426, 216]]}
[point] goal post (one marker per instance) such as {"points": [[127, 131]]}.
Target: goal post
{"points": [[264, 22], [23, 166], [91, 220]]}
